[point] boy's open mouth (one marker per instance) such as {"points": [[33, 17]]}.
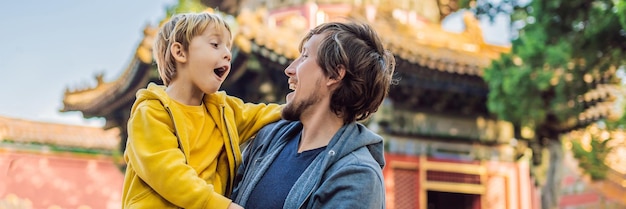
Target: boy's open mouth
{"points": [[220, 71]]}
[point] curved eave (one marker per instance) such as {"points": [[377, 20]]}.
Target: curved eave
{"points": [[107, 96], [426, 45], [599, 104]]}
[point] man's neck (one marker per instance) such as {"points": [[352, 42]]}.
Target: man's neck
{"points": [[318, 129]]}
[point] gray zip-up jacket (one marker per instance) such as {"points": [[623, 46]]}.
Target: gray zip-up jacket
{"points": [[347, 174]]}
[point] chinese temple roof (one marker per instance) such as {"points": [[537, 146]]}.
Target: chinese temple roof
{"points": [[114, 93], [18, 131], [423, 49], [600, 102], [422, 43]]}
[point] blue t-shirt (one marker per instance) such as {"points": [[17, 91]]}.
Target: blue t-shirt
{"points": [[272, 189]]}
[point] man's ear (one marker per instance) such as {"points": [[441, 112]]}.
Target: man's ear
{"points": [[178, 53], [341, 71]]}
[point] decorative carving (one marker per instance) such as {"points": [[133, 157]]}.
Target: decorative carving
{"points": [[99, 79]]}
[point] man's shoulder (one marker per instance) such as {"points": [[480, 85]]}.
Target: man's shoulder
{"points": [[282, 123], [277, 129], [279, 126]]}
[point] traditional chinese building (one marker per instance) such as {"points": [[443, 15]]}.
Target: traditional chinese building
{"points": [[47, 165], [443, 148]]}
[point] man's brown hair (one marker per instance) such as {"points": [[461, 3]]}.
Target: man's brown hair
{"points": [[369, 67]]}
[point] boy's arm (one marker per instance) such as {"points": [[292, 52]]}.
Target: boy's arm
{"points": [[250, 117], [153, 151]]}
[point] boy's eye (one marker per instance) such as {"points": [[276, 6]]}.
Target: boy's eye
{"points": [[214, 44]]}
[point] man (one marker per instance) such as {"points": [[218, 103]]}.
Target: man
{"points": [[318, 156]]}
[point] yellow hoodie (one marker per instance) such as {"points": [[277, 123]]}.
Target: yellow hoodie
{"points": [[158, 174]]}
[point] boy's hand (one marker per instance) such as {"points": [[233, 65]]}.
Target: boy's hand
{"points": [[234, 206]]}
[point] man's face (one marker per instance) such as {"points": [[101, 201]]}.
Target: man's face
{"points": [[306, 79]]}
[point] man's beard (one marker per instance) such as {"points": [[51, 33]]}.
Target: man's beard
{"points": [[293, 111]]}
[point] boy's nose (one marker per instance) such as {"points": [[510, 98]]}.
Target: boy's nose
{"points": [[228, 55]]}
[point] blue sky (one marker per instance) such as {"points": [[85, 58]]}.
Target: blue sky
{"points": [[49, 46]]}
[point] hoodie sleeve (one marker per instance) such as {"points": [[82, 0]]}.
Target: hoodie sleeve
{"points": [[352, 186], [153, 151], [250, 117]]}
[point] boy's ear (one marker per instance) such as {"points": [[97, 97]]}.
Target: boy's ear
{"points": [[178, 53], [341, 73]]}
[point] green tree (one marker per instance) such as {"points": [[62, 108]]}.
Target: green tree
{"points": [[185, 6], [621, 11], [564, 49], [591, 160]]}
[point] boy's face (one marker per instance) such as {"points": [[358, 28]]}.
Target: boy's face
{"points": [[209, 59], [307, 80]]}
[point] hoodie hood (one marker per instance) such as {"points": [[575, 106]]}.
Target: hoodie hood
{"points": [[353, 146], [345, 148], [352, 137], [157, 92], [153, 92]]}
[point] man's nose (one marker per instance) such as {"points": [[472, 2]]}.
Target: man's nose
{"points": [[291, 69]]}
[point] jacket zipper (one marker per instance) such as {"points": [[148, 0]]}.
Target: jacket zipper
{"points": [[307, 197], [232, 147], [180, 143]]}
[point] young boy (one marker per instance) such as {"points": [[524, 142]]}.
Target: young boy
{"points": [[184, 137]]}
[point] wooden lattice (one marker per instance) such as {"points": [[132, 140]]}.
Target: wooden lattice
{"points": [[406, 192], [452, 177]]}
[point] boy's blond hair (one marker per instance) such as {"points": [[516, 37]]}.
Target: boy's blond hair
{"points": [[181, 28]]}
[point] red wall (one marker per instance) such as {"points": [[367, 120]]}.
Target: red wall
{"points": [[38, 180]]}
